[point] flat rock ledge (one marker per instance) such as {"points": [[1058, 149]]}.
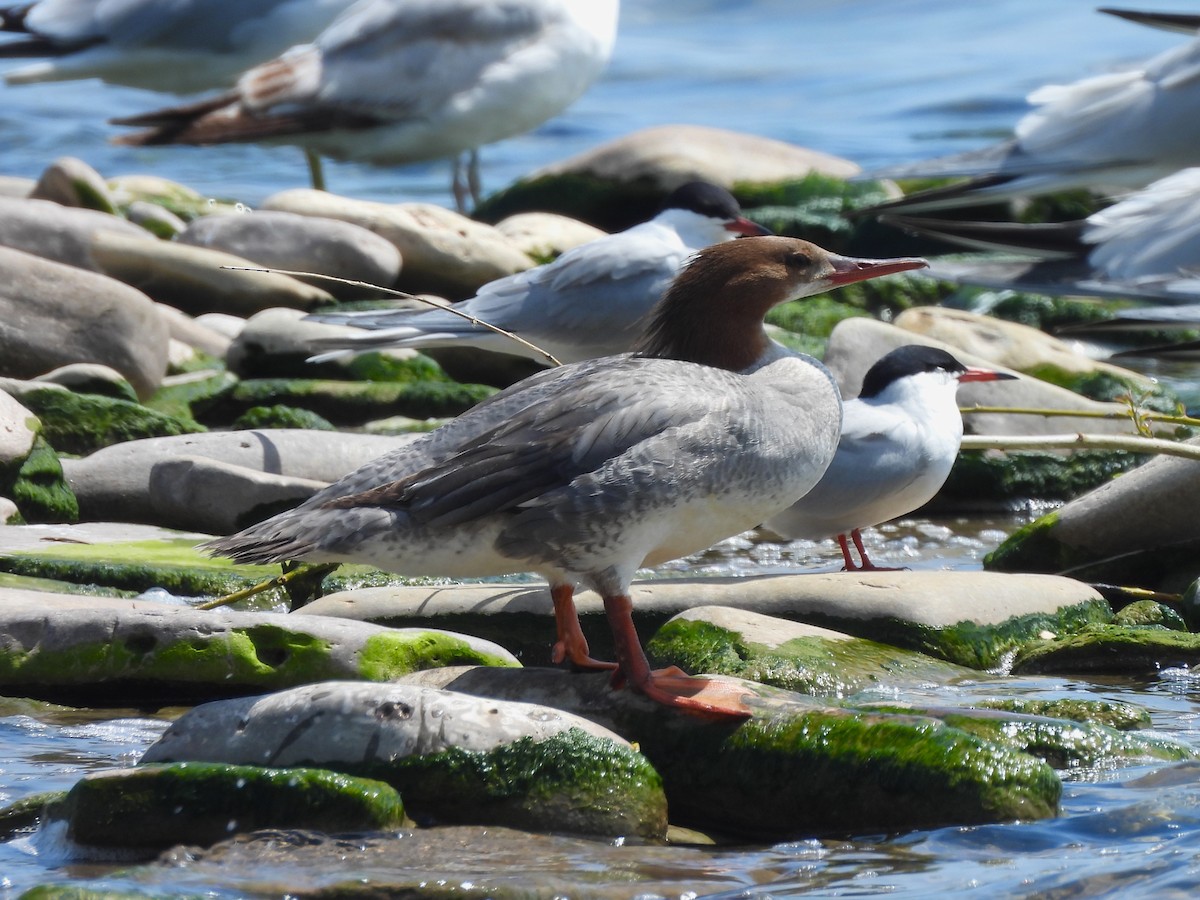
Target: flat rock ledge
{"points": [[153, 652], [452, 757], [969, 618]]}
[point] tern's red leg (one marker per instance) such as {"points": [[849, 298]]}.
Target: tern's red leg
{"points": [[670, 687], [571, 644], [867, 565], [847, 557]]}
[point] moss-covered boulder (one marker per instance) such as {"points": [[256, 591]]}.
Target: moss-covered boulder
{"points": [[280, 416], [982, 479], [355, 402], [158, 653], [1114, 714], [798, 657], [82, 423], [25, 815], [1109, 650], [1150, 614], [453, 757], [192, 395], [153, 807]]}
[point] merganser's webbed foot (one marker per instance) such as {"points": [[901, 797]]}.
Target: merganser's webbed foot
{"points": [[571, 646]]}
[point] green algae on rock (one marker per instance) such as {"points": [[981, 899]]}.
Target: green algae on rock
{"points": [[82, 423], [156, 806], [1150, 614], [1114, 714], [1109, 650], [355, 402], [280, 416], [985, 480], [37, 486], [189, 398], [25, 815]]}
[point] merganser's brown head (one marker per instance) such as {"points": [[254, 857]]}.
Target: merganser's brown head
{"points": [[713, 312]]}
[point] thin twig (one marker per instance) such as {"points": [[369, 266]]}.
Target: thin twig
{"points": [[1131, 443], [1080, 413], [277, 581], [404, 295]]}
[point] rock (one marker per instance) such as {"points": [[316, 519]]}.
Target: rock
{"points": [[443, 252], [160, 222], [197, 280], [795, 767], [1012, 345], [857, 343], [168, 654], [222, 323], [80, 423], [283, 240], [1109, 650], [19, 429], [56, 314], [1121, 716], [453, 757], [1138, 529], [194, 333], [59, 233], [1149, 614], [90, 378], [72, 182], [190, 395], [15, 187], [114, 483], [178, 199], [969, 618], [279, 342], [546, 236], [791, 655], [622, 182], [150, 808], [9, 513], [32, 487], [206, 495], [357, 402]]}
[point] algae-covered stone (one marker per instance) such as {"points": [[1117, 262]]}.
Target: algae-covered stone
{"points": [[1150, 614], [982, 480], [352, 403], [168, 653], [281, 416], [1122, 716], [152, 807], [453, 757], [1109, 650], [191, 395], [25, 815], [38, 486], [791, 655], [83, 423]]}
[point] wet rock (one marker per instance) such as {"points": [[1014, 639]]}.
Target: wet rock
{"points": [[453, 757], [1139, 529], [56, 314], [1114, 714], [857, 343], [197, 280], [91, 378], [356, 402], [791, 655], [203, 494], [443, 252], [283, 240], [114, 483], [546, 236], [1109, 650], [969, 618], [72, 182], [623, 181], [166, 654], [1149, 614], [796, 766], [150, 808], [81, 423], [59, 233]]}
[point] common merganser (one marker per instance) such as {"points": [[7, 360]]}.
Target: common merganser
{"points": [[1109, 133], [1146, 245], [180, 46], [589, 302], [401, 81], [900, 438], [586, 472]]}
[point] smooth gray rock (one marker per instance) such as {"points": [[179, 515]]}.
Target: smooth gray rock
{"points": [[56, 314], [283, 240], [196, 334], [443, 252], [59, 233], [203, 494], [546, 235], [669, 155], [114, 483], [72, 182], [18, 429], [198, 280], [88, 378], [857, 343], [15, 187], [280, 333]]}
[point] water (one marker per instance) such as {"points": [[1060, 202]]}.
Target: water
{"points": [[876, 81]]}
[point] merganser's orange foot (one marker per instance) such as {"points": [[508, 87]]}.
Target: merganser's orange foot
{"points": [[579, 658], [695, 694]]}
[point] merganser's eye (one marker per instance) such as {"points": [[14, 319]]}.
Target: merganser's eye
{"points": [[798, 260]]}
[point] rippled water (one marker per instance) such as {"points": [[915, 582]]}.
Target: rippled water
{"points": [[879, 82]]}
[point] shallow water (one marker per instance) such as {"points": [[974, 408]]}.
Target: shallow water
{"points": [[879, 82]]}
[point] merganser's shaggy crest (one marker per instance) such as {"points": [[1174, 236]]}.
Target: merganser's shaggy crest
{"points": [[181, 46], [1110, 133], [589, 302], [400, 81], [586, 472], [900, 437]]}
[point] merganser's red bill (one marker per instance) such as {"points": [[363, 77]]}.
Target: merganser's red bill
{"points": [[847, 269], [973, 374]]}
